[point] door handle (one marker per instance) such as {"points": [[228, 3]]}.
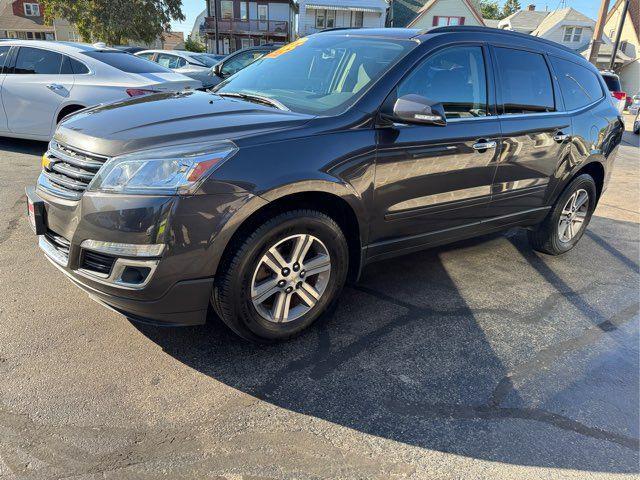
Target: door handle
{"points": [[484, 145], [55, 86], [561, 137]]}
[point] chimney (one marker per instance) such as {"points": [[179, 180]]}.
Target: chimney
{"points": [[531, 7]]}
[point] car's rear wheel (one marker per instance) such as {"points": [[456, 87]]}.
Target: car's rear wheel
{"points": [[280, 278], [568, 219]]}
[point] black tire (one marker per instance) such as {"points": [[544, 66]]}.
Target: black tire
{"points": [[231, 297], [545, 237]]}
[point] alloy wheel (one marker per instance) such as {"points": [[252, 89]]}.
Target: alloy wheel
{"points": [[573, 215], [290, 278]]}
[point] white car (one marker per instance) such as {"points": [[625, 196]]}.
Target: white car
{"points": [[635, 105], [618, 96], [43, 82], [195, 65]]}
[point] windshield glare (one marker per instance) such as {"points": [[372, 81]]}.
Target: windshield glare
{"points": [[320, 75]]}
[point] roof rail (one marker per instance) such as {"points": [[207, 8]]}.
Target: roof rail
{"points": [[334, 29], [473, 28]]}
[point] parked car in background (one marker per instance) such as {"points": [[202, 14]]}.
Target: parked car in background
{"points": [[193, 65], [236, 61], [129, 49], [613, 83], [43, 82], [636, 123], [635, 105], [215, 57], [340, 149]]}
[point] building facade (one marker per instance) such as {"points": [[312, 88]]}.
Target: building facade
{"points": [[629, 69], [242, 24], [318, 15], [24, 19]]}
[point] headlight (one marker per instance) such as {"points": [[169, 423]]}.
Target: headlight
{"points": [[179, 169]]}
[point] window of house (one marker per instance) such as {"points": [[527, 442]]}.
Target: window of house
{"points": [[263, 13], [454, 77], [245, 42], [526, 82], [226, 10], [440, 21], [579, 86], [32, 9], [331, 18], [244, 11], [357, 19], [35, 61], [572, 34], [321, 16]]}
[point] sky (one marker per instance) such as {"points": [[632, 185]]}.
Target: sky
{"points": [[193, 8]]}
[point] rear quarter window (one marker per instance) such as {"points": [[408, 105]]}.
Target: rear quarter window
{"points": [[613, 83], [579, 85], [126, 62]]}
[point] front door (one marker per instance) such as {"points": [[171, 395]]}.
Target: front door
{"points": [[34, 90], [432, 182], [536, 133]]}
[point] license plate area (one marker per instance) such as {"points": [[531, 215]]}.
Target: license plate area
{"points": [[36, 212]]}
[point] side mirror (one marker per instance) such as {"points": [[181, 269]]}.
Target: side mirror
{"points": [[217, 69], [415, 109]]}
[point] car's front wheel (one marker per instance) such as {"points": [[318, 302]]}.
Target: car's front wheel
{"points": [[281, 277]]}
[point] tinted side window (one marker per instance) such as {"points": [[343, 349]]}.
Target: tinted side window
{"points": [[4, 55], [34, 61], [612, 82], [454, 77], [125, 62], [526, 82], [579, 85]]}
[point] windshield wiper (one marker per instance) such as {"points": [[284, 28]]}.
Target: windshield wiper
{"points": [[255, 98]]}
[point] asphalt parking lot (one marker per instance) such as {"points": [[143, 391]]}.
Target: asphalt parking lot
{"points": [[482, 359]]}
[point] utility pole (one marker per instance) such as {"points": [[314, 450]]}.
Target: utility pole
{"points": [[215, 24], [618, 34], [597, 32]]}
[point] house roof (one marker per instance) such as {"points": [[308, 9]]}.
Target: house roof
{"points": [[527, 20], [634, 12], [430, 3], [489, 22], [404, 11], [563, 15], [9, 21], [355, 5]]}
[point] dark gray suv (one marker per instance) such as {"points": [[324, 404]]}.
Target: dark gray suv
{"points": [[264, 197]]}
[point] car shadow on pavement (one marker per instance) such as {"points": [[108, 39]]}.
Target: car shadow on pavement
{"points": [[478, 349], [28, 147]]}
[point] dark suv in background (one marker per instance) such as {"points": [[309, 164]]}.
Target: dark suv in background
{"points": [[337, 150]]}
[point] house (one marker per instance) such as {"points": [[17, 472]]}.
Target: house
{"points": [[197, 32], [440, 13], [318, 15], [491, 23], [402, 12], [523, 21], [24, 19], [568, 27], [241, 24], [627, 68]]}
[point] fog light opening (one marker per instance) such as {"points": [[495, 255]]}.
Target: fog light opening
{"points": [[135, 275]]}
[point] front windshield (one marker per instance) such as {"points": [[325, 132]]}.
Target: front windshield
{"points": [[320, 75]]}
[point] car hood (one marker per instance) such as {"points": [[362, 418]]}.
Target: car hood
{"points": [[169, 119]]}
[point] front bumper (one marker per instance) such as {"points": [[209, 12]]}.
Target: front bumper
{"points": [[178, 288]]}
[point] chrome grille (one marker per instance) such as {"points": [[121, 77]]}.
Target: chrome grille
{"points": [[69, 170], [59, 243]]}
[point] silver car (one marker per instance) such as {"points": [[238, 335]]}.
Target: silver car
{"points": [[192, 64]]}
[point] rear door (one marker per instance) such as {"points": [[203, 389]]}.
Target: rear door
{"points": [[536, 132], [33, 91], [4, 63], [431, 181]]}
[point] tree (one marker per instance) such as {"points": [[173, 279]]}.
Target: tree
{"points": [[115, 21], [490, 10], [194, 45], [510, 7]]}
